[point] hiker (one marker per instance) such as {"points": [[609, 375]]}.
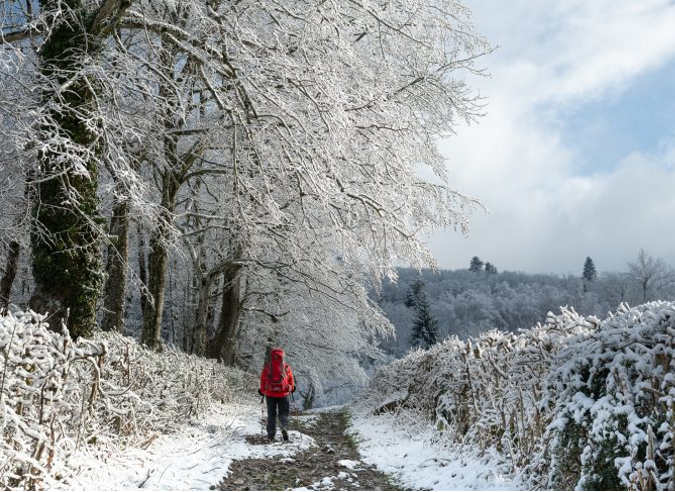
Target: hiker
{"points": [[276, 383]]}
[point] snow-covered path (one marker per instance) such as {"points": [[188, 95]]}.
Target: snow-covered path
{"points": [[194, 458], [200, 453]]}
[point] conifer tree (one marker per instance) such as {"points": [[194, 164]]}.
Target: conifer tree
{"points": [[590, 274], [476, 264], [425, 328], [412, 296], [490, 268]]}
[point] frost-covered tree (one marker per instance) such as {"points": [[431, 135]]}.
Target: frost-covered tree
{"points": [[412, 296], [312, 139], [476, 265], [490, 268], [245, 140], [53, 46], [652, 276]]}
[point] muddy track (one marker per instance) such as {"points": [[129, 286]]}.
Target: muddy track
{"points": [[333, 464]]}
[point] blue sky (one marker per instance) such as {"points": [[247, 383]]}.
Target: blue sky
{"points": [[576, 155], [611, 127]]}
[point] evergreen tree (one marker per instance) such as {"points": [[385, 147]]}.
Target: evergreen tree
{"points": [[425, 329], [589, 275], [412, 296], [490, 268], [476, 264]]}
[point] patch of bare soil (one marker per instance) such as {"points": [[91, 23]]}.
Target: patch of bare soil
{"points": [[334, 464]]}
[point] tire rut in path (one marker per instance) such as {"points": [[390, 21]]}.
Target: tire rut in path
{"points": [[317, 468]]}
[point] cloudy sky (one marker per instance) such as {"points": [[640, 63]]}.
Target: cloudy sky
{"points": [[576, 154]]}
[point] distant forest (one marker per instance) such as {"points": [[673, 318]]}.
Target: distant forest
{"points": [[427, 306]]}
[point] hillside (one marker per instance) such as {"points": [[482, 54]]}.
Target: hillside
{"points": [[465, 303]]}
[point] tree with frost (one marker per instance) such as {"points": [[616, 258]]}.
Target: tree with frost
{"points": [[490, 268], [286, 135], [651, 276], [413, 294], [53, 46], [314, 137], [476, 265]]}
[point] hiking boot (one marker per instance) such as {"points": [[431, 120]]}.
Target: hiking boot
{"points": [[270, 438], [284, 434]]}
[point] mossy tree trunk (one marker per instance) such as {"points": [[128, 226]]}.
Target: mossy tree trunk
{"points": [[66, 238], [66, 242]]}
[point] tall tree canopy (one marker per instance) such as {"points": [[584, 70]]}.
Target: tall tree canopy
{"points": [[263, 151]]}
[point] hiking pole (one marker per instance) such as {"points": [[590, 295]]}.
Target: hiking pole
{"points": [[295, 409], [262, 415]]}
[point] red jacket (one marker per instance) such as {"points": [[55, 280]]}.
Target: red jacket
{"points": [[289, 382]]}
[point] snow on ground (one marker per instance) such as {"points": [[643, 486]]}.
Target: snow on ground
{"points": [[195, 457], [198, 455], [417, 461]]}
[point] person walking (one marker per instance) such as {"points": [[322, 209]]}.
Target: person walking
{"points": [[276, 384]]}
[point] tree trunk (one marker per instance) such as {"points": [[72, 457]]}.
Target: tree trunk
{"points": [[154, 306], [223, 344], [67, 265], [9, 275], [158, 260], [115, 291], [66, 254], [201, 316], [142, 269]]}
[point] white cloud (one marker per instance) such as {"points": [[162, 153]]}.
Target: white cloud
{"points": [[553, 58]]}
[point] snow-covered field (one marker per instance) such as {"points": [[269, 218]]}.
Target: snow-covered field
{"points": [[418, 461]]}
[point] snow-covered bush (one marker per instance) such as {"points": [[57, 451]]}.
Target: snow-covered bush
{"points": [[614, 417], [59, 396], [485, 390], [576, 402]]}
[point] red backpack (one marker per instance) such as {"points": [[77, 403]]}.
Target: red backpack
{"points": [[277, 378]]}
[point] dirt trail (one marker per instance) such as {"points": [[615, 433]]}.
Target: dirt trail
{"points": [[333, 464]]}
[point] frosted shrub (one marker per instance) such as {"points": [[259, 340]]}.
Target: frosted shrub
{"points": [[574, 403], [59, 396], [614, 416], [490, 391]]}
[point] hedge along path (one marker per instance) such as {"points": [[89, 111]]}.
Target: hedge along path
{"points": [[333, 464]]}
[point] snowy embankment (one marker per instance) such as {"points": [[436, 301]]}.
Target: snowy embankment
{"points": [[575, 402], [108, 414]]}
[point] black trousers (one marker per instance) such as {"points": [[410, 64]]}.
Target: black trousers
{"points": [[277, 405]]}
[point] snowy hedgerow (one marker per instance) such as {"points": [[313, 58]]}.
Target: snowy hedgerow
{"points": [[574, 403], [613, 423], [487, 390], [59, 396]]}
